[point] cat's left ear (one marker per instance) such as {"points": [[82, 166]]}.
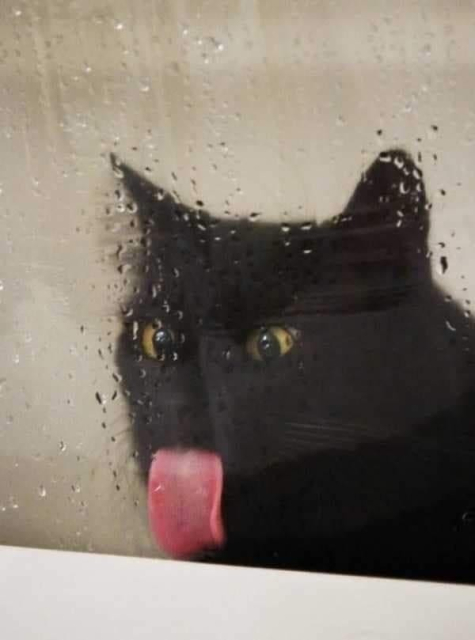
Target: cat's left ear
{"points": [[386, 221], [391, 193]]}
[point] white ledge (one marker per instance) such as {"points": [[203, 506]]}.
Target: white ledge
{"points": [[54, 595]]}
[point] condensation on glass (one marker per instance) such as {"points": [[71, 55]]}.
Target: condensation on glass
{"points": [[235, 295]]}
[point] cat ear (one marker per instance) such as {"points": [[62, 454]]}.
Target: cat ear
{"points": [[174, 241], [377, 247], [386, 222], [157, 210], [166, 223], [391, 193]]}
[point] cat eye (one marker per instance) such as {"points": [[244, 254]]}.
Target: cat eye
{"points": [[269, 343], [158, 342]]}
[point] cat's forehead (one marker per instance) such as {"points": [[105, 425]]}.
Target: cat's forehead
{"points": [[245, 267]]}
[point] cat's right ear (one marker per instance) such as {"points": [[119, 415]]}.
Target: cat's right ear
{"points": [[157, 210], [169, 227], [174, 245]]}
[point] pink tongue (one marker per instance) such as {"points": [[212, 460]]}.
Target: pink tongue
{"points": [[184, 501]]}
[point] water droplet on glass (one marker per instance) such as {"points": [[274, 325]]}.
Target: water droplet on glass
{"points": [[101, 399], [118, 172], [469, 516], [62, 446], [450, 326], [444, 264], [427, 50], [399, 162], [433, 131], [42, 491], [119, 26], [135, 329]]}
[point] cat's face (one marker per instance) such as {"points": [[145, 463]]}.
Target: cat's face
{"points": [[276, 373]]}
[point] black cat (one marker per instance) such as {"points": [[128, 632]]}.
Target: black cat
{"points": [[303, 395]]}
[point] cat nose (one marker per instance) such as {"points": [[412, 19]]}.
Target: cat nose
{"points": [[183, 425]]}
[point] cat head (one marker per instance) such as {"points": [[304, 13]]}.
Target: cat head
{"points": [[247, 339]]}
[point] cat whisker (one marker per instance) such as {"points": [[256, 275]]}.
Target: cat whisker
{"points": [[302, 436], [338, 427], [338, 434]]}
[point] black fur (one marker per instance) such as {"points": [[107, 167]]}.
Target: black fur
{"points": [[353, 453]]}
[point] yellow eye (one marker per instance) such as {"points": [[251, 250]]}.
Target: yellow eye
{"points": [[268, 343], [157, 341]]}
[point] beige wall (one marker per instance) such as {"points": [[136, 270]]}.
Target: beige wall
{"points": [[265, 105]]}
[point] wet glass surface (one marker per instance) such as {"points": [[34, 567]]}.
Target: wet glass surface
{"points": [[235, 296]]}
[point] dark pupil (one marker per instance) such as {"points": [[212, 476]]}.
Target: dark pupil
{"points": [[163, 342], [267, 345]]}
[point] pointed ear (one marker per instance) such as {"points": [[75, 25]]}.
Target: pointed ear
{"points": [[173, 252], [388, 214], [391, 192], [165, 222], [378, 245], [157, 210]]}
